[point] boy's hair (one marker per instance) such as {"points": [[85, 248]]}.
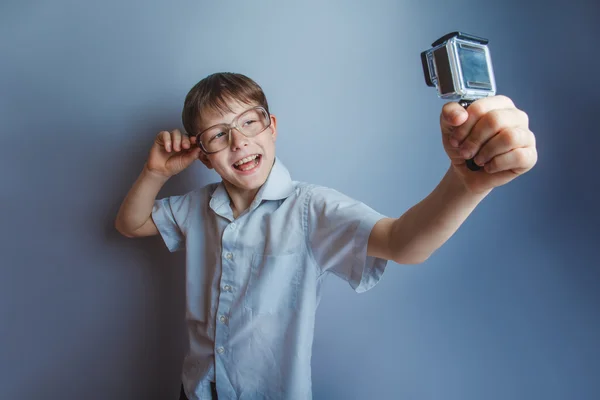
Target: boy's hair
{"points": [[214, 92]]}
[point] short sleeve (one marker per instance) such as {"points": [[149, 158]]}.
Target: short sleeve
{"points": [[167, 215], [338, 229]]}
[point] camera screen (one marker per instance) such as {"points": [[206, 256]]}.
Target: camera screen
{"points": [[474, 67]]}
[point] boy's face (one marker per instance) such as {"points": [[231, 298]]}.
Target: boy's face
{"points": [[248, 176]]}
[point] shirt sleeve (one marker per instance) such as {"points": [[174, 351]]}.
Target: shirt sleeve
{"points": [[338, 229], [168, 215]]}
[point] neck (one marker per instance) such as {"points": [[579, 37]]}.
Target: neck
{"points": [[240, 199]]}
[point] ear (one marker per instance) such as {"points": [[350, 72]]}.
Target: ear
{"points": [[273, 127], [201, 156], [204, 158]]}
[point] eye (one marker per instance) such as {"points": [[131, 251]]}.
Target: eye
{"points": [[217, 135], [249, 122]]}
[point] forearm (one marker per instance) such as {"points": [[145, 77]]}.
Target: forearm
{"points": [[430, 223], [137, 206]]}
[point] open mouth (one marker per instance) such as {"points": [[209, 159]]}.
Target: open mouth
{"points": [[247, 163]]}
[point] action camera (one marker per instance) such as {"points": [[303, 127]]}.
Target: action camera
{"points": [[459, 66]]}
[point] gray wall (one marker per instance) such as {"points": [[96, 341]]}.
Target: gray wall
{"points": [[507, 309]]}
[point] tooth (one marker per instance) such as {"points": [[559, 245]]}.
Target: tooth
{"points": [[247, 159]]}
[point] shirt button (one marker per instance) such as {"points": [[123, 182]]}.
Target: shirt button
{"points": [[232, 225], [220, 350], [229, 256], [227, 288], [223, 319]]}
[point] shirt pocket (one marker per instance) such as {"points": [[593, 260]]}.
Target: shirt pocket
{"points": [[274, 283]]}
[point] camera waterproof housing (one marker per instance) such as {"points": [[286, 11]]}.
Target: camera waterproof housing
{"points": [[459, 66]]}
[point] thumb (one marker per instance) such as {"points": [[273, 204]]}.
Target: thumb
{"points": [[452, 115], [190, 156]]}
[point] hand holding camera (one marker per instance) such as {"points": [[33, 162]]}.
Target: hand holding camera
{"points": [[482, 131]]}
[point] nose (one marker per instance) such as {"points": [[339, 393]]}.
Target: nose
{"points": [[238, 140]]}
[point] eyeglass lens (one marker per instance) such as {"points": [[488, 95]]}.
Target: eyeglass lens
{"points": [[250, 123]]}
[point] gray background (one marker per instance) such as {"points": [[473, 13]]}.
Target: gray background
{"points": [[507, 309]]}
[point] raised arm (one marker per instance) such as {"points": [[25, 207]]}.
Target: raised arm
{"points": [[170, 154]]}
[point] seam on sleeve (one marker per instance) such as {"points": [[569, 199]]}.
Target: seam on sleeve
{"points": [[305, 227], [160, 220], [373, 266], [178, 223]]}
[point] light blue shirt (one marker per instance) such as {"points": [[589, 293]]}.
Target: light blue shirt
{"points": [[253, 283]]}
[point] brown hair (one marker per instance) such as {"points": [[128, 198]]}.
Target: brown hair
{"points": [[213, 93]]}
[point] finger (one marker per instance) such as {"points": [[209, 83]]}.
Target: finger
{"points": [[185, 142], [191, 155], [517, 161], [506, 140], [476, 110], [454, 155], [176, 137], [164, 139], [452, 115], [490, 125]]}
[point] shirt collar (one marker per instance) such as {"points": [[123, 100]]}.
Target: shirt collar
{"points": [[278, 186]]}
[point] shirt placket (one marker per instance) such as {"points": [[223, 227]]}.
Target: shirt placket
{"points": [[227, 289]]}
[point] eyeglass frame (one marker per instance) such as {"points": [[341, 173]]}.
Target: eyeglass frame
{"points": [[230, 128]]}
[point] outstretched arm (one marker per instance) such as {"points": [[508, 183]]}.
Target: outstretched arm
{"points": [[497, 134]]}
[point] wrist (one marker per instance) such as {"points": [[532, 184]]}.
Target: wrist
{"points": [[459, 184], [156, 177]]}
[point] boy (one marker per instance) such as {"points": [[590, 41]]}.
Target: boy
{"points": [[258, 243]]}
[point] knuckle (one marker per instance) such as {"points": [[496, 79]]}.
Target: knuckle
{"points": [[521, 156], [535, 158], [470, 142], [493, 119], [506, 137], [470, 145], [506, 100], [477, 109], [524, 116], [523, 137], [484, 154]]}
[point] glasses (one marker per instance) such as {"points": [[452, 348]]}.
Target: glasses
{"points": [[249, 123]]}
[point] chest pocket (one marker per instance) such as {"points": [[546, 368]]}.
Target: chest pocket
{"points": [[274, 283]]}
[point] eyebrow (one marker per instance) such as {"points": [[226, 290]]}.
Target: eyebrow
{"points": [[227, 123], [202, 129]]}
